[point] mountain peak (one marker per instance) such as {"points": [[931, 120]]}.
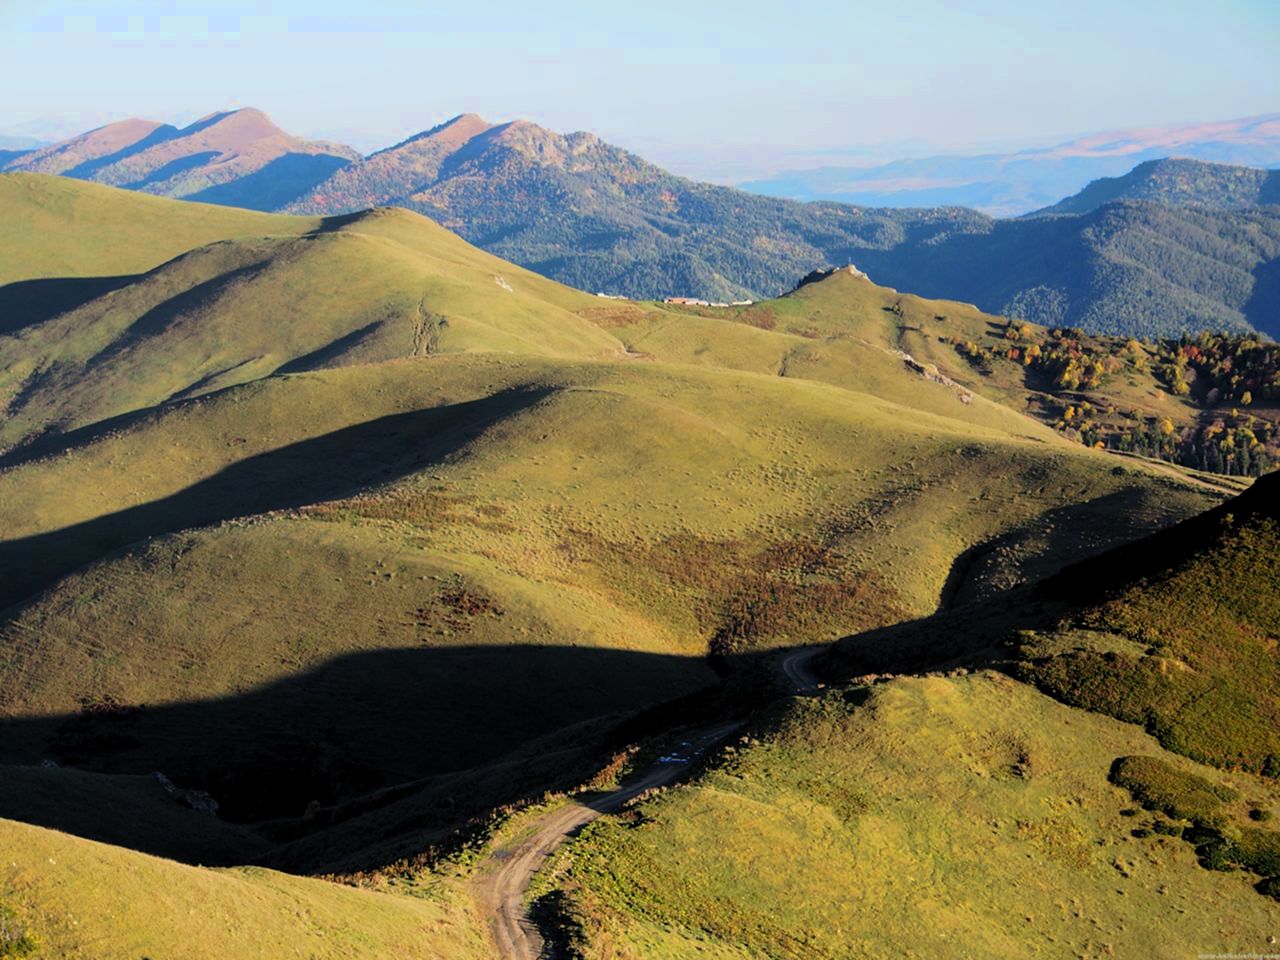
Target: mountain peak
{"points": [[465, 120], [245, 124], [451, 134], [840, 274]]}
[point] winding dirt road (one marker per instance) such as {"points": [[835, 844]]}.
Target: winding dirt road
{"points": [[502, 884], [796, 667]]}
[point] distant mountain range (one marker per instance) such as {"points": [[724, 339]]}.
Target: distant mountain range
{"points": [[1015, 183], [1136, 268], [237, 158], [1182, 183], [597, 217], [19, 143], [1171, 246]]}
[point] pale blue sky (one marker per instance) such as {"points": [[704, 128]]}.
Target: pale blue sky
{"points": [[702, 86]]}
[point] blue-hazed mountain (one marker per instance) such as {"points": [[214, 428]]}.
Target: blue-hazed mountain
{"points": [[1010, 184]]}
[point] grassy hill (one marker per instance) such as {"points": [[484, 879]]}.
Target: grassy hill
{"points": [[446, 507], [376, 286], [1178, 182], [74, 898], [57, 228], [960, 811], [1175, 632], [1208, 403], [1199, 606], [945, 816], [373, 536]]}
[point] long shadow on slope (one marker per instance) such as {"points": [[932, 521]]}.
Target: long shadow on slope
{"points": [[986, 627], [88, 168], [160, 317], [1263, 307], [276, 184], [1075, 531], [32, 302], [29, 302], [172, 169], [359, 723], [327, 467]]}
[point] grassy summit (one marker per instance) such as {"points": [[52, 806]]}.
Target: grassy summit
{"points": [[382, 285], [57, 228]]}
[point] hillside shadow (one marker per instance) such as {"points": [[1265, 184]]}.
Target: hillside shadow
{"points": [[27, 303], [87, 169], [980, 630], [280, 182], [172, 169], [1270, 191], [9, 156], [360, 723], [327, 467], [1059, 537], [188, 301], [1263, 306], [53, 443], [323, 356]]}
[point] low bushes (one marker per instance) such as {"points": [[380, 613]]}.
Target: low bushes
{"points": [[1160, 786]]}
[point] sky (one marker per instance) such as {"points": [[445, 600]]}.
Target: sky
{"points": [[723, 90]]}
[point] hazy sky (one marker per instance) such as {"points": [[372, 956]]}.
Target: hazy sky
{"points": [[705, 86]]}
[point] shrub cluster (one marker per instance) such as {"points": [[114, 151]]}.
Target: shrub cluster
{"points": [[1158, 785]]}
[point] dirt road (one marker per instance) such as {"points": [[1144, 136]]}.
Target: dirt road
{"points": [[796, 667], [502, 883]]}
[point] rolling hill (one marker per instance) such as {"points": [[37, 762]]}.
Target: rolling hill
{"points": [[948, 816], [929, 802], [375, 286], [74, 898], [371, 538], [1173, 632]]}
